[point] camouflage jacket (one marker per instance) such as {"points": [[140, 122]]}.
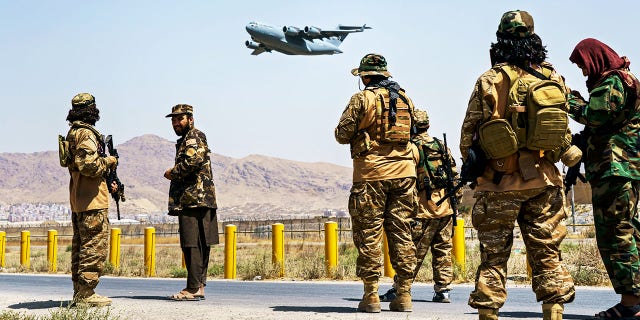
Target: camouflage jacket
{"points": [[381, 161], [430, 168], [87, 186], [191, 177], [612, 122]]}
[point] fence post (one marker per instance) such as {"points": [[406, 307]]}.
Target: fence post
{"points": [[277, 246], [459, 247], [114, 248], [150, 251], [230, 251], [52, 250], [388, 269], [331, 247], [25, 249], [3, 248]]}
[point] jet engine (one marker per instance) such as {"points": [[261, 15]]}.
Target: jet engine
{"points": [[312, 31], [252, 45], [291, 31]]}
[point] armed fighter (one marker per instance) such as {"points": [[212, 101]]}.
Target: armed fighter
{"points": [[297, 41]]}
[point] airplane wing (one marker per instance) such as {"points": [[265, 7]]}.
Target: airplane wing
{"points": [[258, 51], [314, 32]]}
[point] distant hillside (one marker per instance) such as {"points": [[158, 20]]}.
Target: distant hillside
{"points": [[252, 186]]}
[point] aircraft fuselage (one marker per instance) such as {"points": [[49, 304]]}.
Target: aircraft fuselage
{"points": [[274, 38]]}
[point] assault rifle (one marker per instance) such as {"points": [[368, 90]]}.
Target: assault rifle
{"points": [[112, 175], [448, 170], [472, 168], [573, 173]]}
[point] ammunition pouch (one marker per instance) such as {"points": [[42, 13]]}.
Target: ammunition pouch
{"points": [[497, 139]]}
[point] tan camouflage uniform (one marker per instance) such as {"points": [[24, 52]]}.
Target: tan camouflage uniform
{"points": [[537, 204], [192, 197], [89, 199], [383, 192]]}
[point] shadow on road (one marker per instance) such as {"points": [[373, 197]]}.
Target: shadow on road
{"points": [[40, 305], [143, 297], [538, 315], [317, 309]]}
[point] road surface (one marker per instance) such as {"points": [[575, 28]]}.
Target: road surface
{"points": [[146, 298]]}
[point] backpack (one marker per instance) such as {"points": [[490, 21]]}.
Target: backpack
{"points": [[536, 117], [386, 130], [64, 145], [431, 173]]}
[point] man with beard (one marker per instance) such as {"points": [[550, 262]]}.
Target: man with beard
{"points": [[192, 197], [377, 125], [89, 199], [518, 183]]}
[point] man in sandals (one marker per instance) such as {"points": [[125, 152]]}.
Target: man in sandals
{"points": [[192, 197]]}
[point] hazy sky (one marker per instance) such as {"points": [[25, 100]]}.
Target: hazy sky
{"points": [[141, 57]]}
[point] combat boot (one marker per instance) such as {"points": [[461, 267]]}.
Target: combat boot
{"points": [[488, 314], [370, 300], [552, 311], [95, 300], [402, 302]]}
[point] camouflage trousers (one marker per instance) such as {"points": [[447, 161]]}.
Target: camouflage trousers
{"points": [[89, 248], [435, 234], [388, 204], [615, 216], [541, 217]]}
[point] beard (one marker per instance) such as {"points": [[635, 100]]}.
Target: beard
{"points": [[181, 130]]}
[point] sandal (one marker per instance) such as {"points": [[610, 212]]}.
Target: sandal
{"points": [[619, 311], [186, 296]]}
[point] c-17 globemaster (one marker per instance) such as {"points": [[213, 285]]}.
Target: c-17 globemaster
{"points": [[297, 41]]}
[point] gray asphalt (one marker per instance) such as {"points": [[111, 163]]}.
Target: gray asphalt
{"points": [[146, 298]]}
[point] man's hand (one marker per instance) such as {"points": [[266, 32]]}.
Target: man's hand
{"points": [[167, 174], [114, 187]]}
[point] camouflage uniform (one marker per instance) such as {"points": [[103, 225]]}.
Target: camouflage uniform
{"points": [[612, 123], [89, 199], [536, 203], [192, 198], [383, 193]]}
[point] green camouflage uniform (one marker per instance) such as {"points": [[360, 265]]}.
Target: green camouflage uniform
{"points": [[612, 165], [192, 197]]}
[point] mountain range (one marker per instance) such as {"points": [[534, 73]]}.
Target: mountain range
{"points": [[251, 186]]}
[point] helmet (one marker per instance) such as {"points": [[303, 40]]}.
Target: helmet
{"points": [[83, 100], [372, 64], [516, 24], [422, 119]]}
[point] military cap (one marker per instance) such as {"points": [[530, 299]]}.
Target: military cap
{"points": [[518, 24], [422, 119], [180, 109], [372, 64], [83, 100]]}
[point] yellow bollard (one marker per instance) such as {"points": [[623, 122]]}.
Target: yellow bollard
{"points": [[277, 246], [388, 269], [331, 247], [25, 249], [529, 270], [230, 251], [184, 263], [52, 250], [150, 251], [114, 252], [459, 247], [3, 248]]}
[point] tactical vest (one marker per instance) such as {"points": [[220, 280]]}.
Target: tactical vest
{"points": [[65, 145], [536, 116], [389, 128], [430, 169]]}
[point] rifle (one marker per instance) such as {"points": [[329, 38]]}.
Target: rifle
{"points": [[446, 163], [472, 168], [573, 173], [112, 176]]}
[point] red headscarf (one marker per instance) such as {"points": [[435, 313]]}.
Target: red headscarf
{"points": [[597, 58]]}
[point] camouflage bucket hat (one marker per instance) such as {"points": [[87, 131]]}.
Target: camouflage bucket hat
{"points": [[180, 109], [372, 64], [518, 24], [83, 100], [422, 119]]}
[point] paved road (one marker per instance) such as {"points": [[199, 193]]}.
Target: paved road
{"points": [[139, 298]]}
